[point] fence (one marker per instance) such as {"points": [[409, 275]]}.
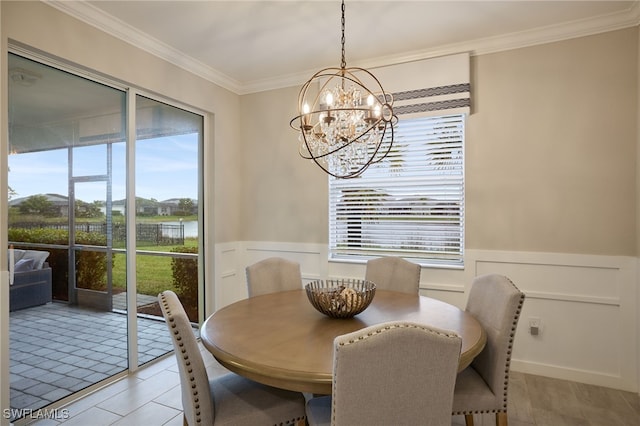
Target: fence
{"points": [[154, 233]]}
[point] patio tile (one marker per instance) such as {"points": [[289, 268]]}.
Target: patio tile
{"points": [[72, 359], [155, 352], [56, 394], [66, 382], [18, 368], [50, 377], [57, 356], [26, 400], [63, 369], [117, 352], [80, 386], [43, 351], [114, 360], [40, 389], [57, 349], [49, 364], [85, 363], [34, 373], [79, 373], [84, 352], [23, 384], [96, 377], [20, 356]]}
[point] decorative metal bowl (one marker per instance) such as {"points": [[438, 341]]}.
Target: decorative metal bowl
{"points": [[341, 298]]}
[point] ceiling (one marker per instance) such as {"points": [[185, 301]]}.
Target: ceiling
{"points": [[249, 46]]}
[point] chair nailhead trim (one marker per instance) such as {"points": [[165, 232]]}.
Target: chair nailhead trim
{"points": [[512, 336], [185, 359], [378, 331], [290, 421], [508, 363]]}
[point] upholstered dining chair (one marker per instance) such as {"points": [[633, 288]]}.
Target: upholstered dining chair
{"points": [[395, 373], [273, 274], [229, 399], [394, 273], [482, 387]]}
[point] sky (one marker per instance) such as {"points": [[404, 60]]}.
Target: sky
{"points": [[166, 168]]}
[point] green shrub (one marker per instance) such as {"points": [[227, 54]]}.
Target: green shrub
{"points": [[185, 278], [91, 266]]}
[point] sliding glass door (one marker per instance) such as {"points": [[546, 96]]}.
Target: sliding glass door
{"points": [[71, 166], [167, 152]]}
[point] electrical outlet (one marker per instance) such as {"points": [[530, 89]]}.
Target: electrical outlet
{"points": [[535, 326]]}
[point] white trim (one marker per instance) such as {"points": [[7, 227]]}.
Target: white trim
{"points": [[95, 17], [587, 303], [614, 301], [565, 373], [131, 254], [5, 378]]}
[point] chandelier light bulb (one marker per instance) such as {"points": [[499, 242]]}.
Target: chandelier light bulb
{"points": [[329, 99], [336, 130], [370, 100]]}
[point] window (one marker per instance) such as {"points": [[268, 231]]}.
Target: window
{"points": [[411, 204]]}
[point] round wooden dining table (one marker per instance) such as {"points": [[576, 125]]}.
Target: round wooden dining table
{"points": [[281, 340]]}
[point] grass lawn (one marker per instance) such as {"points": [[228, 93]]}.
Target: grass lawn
{"points": [[154, 273]]}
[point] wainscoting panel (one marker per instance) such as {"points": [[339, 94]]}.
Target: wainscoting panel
{"points": [[229, 283], [587, 308], [587, 304]]}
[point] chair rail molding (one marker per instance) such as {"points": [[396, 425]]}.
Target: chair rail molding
{"points": [[587, 304]]}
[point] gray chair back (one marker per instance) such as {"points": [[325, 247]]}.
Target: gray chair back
{"points": [[394, 273], [194, 381], [496, 302], [272, 275], [397, 373]]}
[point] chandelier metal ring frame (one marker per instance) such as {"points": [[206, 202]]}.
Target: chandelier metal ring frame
{"points": [[346, 121]]}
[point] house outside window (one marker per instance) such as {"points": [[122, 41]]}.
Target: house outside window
{"points": [[411, 204]]}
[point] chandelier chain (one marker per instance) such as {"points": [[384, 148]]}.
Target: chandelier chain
{"points": [[345, 119], [343, 64]]}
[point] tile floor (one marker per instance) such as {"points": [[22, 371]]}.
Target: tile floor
{"points": [[151, 397], [57, 349]]}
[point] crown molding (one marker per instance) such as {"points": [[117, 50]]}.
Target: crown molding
{"points": [[482, 46], [93, 16]]}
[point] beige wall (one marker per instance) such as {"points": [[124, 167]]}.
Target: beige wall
{"points": [[550, 154], [42, 27], [551, 147], [284, 197], [551, 143]]}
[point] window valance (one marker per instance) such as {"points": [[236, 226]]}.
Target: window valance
{"points": [[429, 87]]}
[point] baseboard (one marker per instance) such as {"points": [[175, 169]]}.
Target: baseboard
{"points": [[575, 375]]}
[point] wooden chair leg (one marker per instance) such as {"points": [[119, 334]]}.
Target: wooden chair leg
{"points": [[468, 419], [501, 419]]}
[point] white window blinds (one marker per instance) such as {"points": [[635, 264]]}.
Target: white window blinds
{"points": [[409, 205]]}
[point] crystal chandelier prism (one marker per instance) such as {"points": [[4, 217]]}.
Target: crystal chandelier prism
{"points": [[345, 119]]}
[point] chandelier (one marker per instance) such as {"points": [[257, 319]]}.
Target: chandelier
{"points": [[345, 119]]}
